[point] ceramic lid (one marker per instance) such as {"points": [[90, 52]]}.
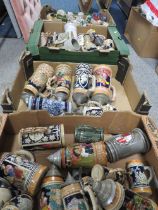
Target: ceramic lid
{"points": [[97, 172]]}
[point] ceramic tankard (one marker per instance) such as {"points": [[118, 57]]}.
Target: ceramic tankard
{"points": [[38, 80], [139, 182], [22, 173], [104, 92], [5, 191], [84, 83]]}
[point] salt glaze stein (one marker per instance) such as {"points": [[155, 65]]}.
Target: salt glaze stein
{"points": [[88, 134], [20, 202], [139, 182], [80, 155], [41, 137], [124, 145], [5, 191], [73, 195], [38, 80], [104, 92], [109, 193], [22, 173], [50, 195], [84, 83], [99, 173]]}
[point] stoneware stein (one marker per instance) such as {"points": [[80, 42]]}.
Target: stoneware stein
{"points": [[80, 155], [73, 195], [124, 145], [41, 137], [100, 173], [84, 83], [88, 134], [5, 191], [50, 195], [22, 173], [38, 80], [104, 92], [138, 179], [20, 202], [63, 75]]}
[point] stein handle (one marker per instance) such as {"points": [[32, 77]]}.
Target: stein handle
{"points": [[92, 197], [25, 154], [93, 83], [147, 168], [113, 89]]}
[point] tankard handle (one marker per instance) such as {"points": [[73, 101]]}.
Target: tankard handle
{"points": [[92, 196], [147, 168], [93, 83], [113, 90], [25, 154]]}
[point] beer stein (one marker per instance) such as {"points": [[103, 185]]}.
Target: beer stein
{"points": [[41, 137], [88, 134], [22, 173], [20, 202], [124, 145], [139, 182], [88, 45], [108, 45], [104, 92], [84, 83], [100, 173], [38, 80], [5, 191], [50, 195], [80, 155]]}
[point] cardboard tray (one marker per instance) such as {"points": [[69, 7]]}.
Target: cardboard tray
{"points": [[112, 122], [45, 53], [128, 96]]}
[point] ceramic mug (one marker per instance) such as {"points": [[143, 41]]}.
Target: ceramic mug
{"points": [[139, 182], [71, 45], [5, 191], [71, 29], [22, 173]]}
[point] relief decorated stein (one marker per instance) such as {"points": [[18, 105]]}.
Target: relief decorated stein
{"points": [[124, 145], [88, 134], [84, 83], [80, 155], [20, 202], [38, 80], [5, 191], [138, 179], [100, 173], [41, 137], [104, 92], [22, 173], [50, 195]]}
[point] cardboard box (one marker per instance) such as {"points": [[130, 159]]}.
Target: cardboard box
{"points": [[142, 35], [45, 53], [112, 122], [128, 96]]}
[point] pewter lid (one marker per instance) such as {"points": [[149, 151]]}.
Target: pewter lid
{"points": [[53, 171], [69, 180], [55, 158], [101, 98], [97, 172]]}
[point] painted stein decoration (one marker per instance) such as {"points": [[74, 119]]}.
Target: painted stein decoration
{"points": [[104, 92], [124, 145], [52, 106], [50, 195], [73, 195], [80, 155], [109, 193], [22, 173], [84, 83], [138, 180], [20, 202], [35, 138], [100, 173], [88, 134], [5, 191], [38, 80]]}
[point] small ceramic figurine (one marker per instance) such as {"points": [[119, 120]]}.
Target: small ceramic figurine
{"points": [[80, 155], [5, 191]]}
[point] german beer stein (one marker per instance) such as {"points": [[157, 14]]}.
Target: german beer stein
{"points": [[80, 155], [41, 137], [138, 180], [5, 191], [100, 173], [124, 145], [38, 80], [109, 193], [108, 45], [88, 134], [50, 195], [20, 202], [22, 173], [104, 92], [84, 83]]}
